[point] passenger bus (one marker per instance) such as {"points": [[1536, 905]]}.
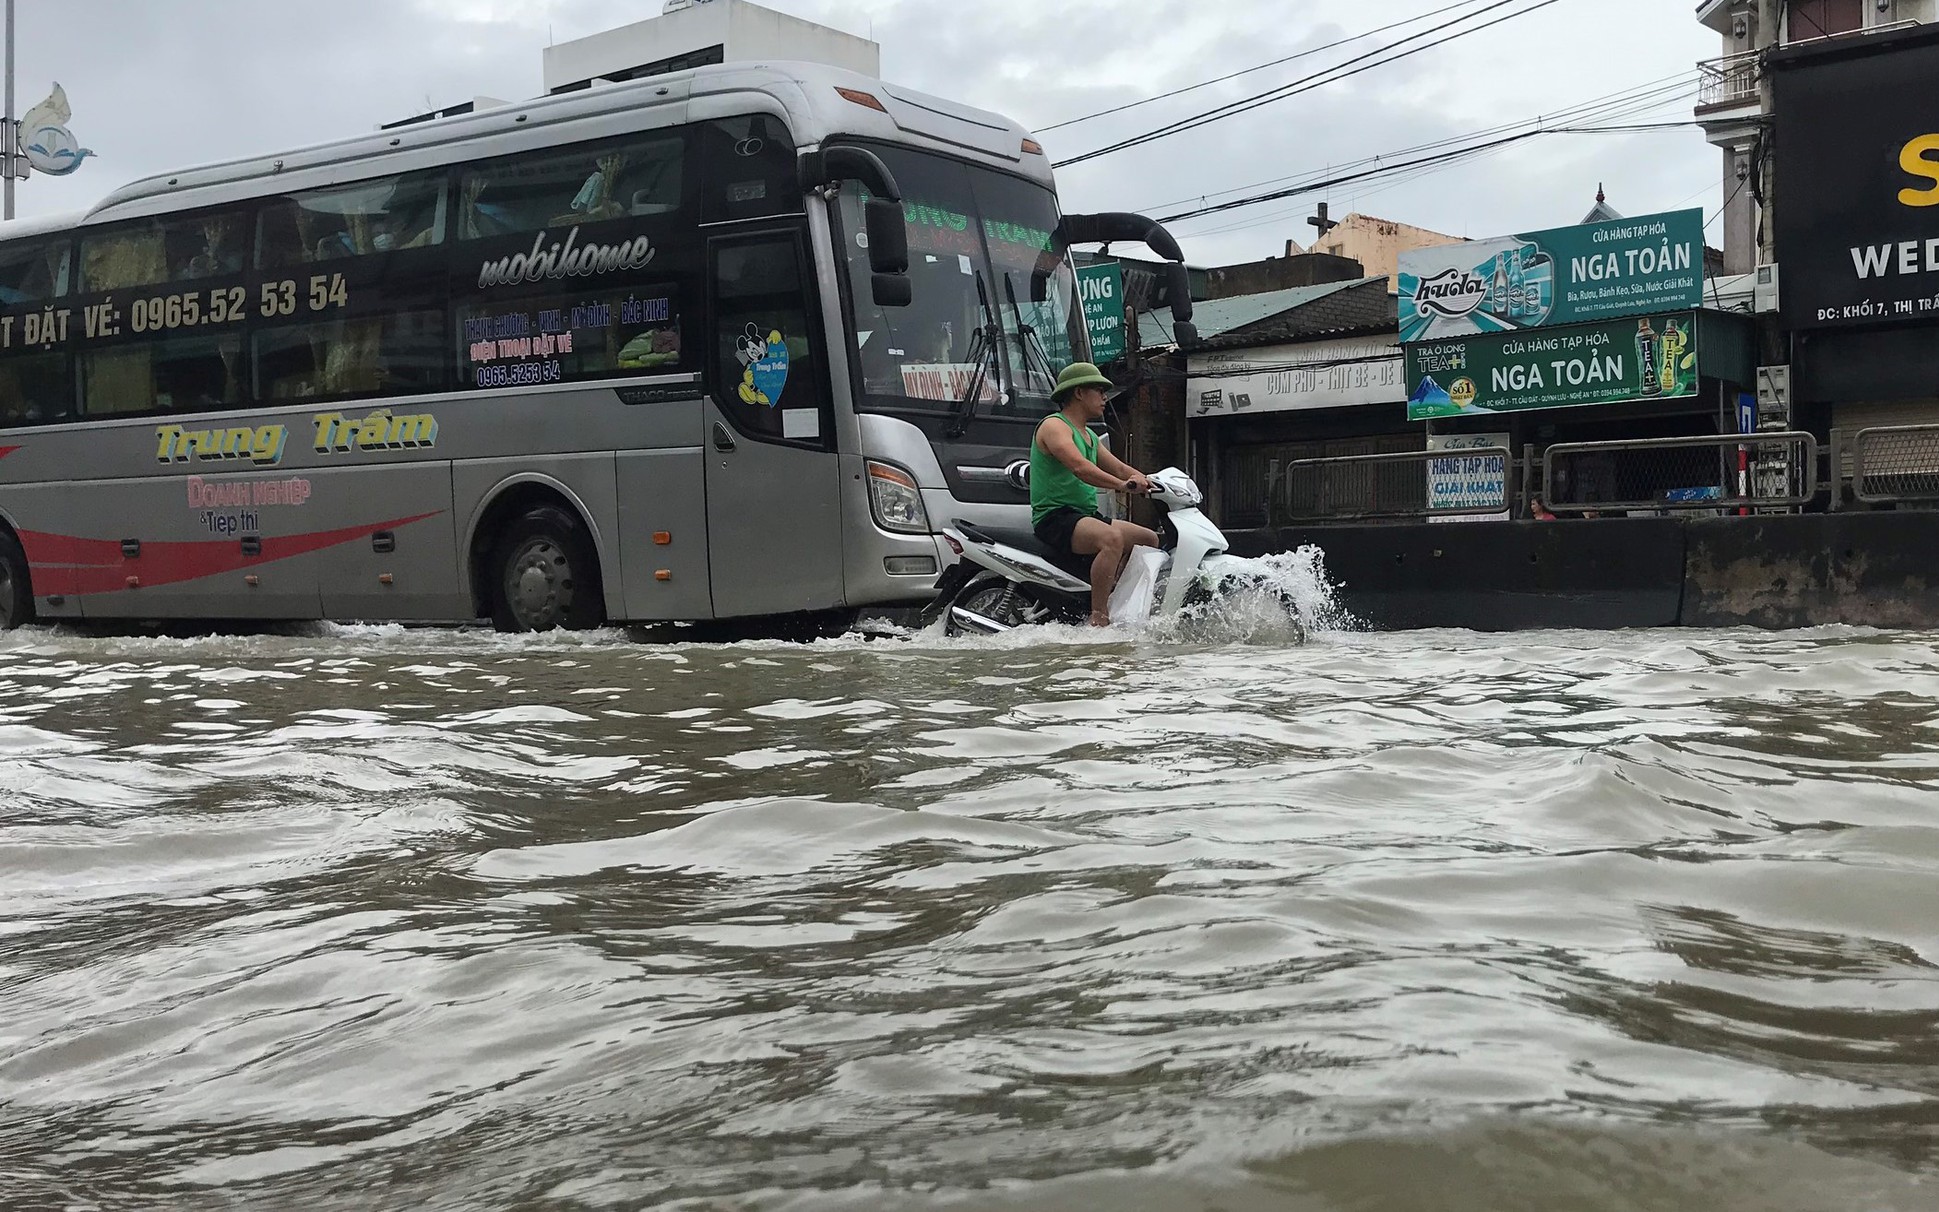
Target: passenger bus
{"points": [[729, 342]]}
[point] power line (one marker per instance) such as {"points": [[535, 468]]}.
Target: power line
{"points": [[1634, 101], [1442, 157], [1118, 109], [1363, 63], [1402, 177], [1402, 170], [1591, 109]]}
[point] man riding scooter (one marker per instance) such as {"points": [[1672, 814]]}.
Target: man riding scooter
{"points": [[1067, 467]]}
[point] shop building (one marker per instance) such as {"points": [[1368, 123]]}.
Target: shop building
{"points": [[1290, 375], [1596, 333], [1734, 104], [1856, 230]]}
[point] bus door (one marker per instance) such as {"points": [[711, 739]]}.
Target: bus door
{"points": [[774, 521]]}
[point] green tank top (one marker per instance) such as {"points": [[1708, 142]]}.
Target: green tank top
{"points": [[1054, 486]]}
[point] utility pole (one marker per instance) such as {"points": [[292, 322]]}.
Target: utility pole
{"points": [[7, 162], [1769, 36]]}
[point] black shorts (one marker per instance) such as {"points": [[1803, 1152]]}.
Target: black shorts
{"points": [[1055, 533]]}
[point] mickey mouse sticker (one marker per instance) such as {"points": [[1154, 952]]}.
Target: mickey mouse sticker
{"points": [[764, 366]]}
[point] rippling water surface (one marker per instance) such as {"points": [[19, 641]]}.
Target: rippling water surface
{"points": [[373, 917]]}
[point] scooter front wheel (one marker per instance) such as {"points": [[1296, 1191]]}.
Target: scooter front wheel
{"points": [[1247, 603]]}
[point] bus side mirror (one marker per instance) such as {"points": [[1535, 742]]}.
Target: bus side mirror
{"points": [[891, 290], [1184, 332], [888, 237]]}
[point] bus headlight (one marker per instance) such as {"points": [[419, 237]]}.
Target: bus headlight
{"points": [[895, 500]]}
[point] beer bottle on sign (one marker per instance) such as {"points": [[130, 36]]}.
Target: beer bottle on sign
{"points": [[1531, 284], [1498, 290], [1648, 358], [1518, 308]]}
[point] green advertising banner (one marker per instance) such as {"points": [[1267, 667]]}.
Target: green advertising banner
{"points": [[1649, 358], [1544, 279], [1100, 288]]}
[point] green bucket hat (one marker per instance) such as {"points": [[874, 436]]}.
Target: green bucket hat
{"points": [[1076, 375]]}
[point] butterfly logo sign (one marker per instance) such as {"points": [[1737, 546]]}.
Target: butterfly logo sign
{"points": [[45, 140], [764, 366]]}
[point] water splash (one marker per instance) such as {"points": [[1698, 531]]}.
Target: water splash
{"points": [[1277, 599]]}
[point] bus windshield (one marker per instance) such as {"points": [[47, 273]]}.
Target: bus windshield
{"points": [[977, 238]]}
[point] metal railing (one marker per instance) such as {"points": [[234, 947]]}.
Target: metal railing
{"points": [[1657, 475], [1883, 465], [1798, 38], [1893, 463], [1407, 484], [1729, 80], [1251, 490]]}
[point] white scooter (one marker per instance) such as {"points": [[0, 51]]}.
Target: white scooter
{"points": [[1006, 578]]}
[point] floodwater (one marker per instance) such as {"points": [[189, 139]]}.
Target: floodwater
{"points": [[367, 917]]}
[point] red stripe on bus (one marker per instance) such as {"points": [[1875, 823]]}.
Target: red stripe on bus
{"points": [[7, 450], [68, 565]]}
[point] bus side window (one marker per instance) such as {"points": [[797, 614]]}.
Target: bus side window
{"points": [[388, 214], [396, 353], [30, 273], [767, 376], [36, 388], [748, 168], [586, 183], [179, 374], [146, 252]]}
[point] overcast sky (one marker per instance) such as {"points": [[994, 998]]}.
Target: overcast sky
{"points": [[165, 84]]}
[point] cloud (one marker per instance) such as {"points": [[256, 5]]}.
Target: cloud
{"points": [[158, 87]]}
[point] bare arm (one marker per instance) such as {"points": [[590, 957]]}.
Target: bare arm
{"points": [[1116, 466], [1056, 439]]}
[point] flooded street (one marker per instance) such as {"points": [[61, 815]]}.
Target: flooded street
{"points": [[365, 917]]}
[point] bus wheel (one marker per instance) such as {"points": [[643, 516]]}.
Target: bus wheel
{"points": [[16, 593], [546, 575]]}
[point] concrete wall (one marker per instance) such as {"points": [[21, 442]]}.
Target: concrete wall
{"points": [[1498, 576], [1808, 570], [1866, 569], [1278, 273], [1378, 243]]}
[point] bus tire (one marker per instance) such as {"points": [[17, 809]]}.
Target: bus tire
{"points": [[16, 587], [545, 574]]}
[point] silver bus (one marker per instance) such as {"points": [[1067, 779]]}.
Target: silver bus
{"points": [[728, 342]]}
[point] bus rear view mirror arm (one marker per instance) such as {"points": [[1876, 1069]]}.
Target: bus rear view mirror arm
{"points": [[888, 235], [1116, 226]]}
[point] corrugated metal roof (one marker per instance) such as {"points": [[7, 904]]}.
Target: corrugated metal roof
{"points": [[1216, 317]]}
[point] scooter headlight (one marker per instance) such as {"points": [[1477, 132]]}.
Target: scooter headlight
{"points": [[895, 500]]}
